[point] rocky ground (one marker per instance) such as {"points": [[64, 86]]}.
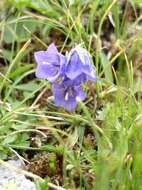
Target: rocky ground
{"points": [[11, 180]]}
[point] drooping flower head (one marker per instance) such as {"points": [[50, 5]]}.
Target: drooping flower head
{"points": [[50, 64], [67, 94], [79, 62]]}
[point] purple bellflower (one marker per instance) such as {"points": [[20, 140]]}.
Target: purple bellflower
{"points": [[50, 64], [66, 73], [68, 94], [79, 62]]}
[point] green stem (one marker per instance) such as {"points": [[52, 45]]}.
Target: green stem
{"points": [[49, 148]]}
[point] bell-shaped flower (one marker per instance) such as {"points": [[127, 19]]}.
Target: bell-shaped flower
{"points": [[79, 63], [50, 64], [68, 93]]}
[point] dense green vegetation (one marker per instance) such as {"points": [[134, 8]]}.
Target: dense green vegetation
{"points": [[99, 146]]}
